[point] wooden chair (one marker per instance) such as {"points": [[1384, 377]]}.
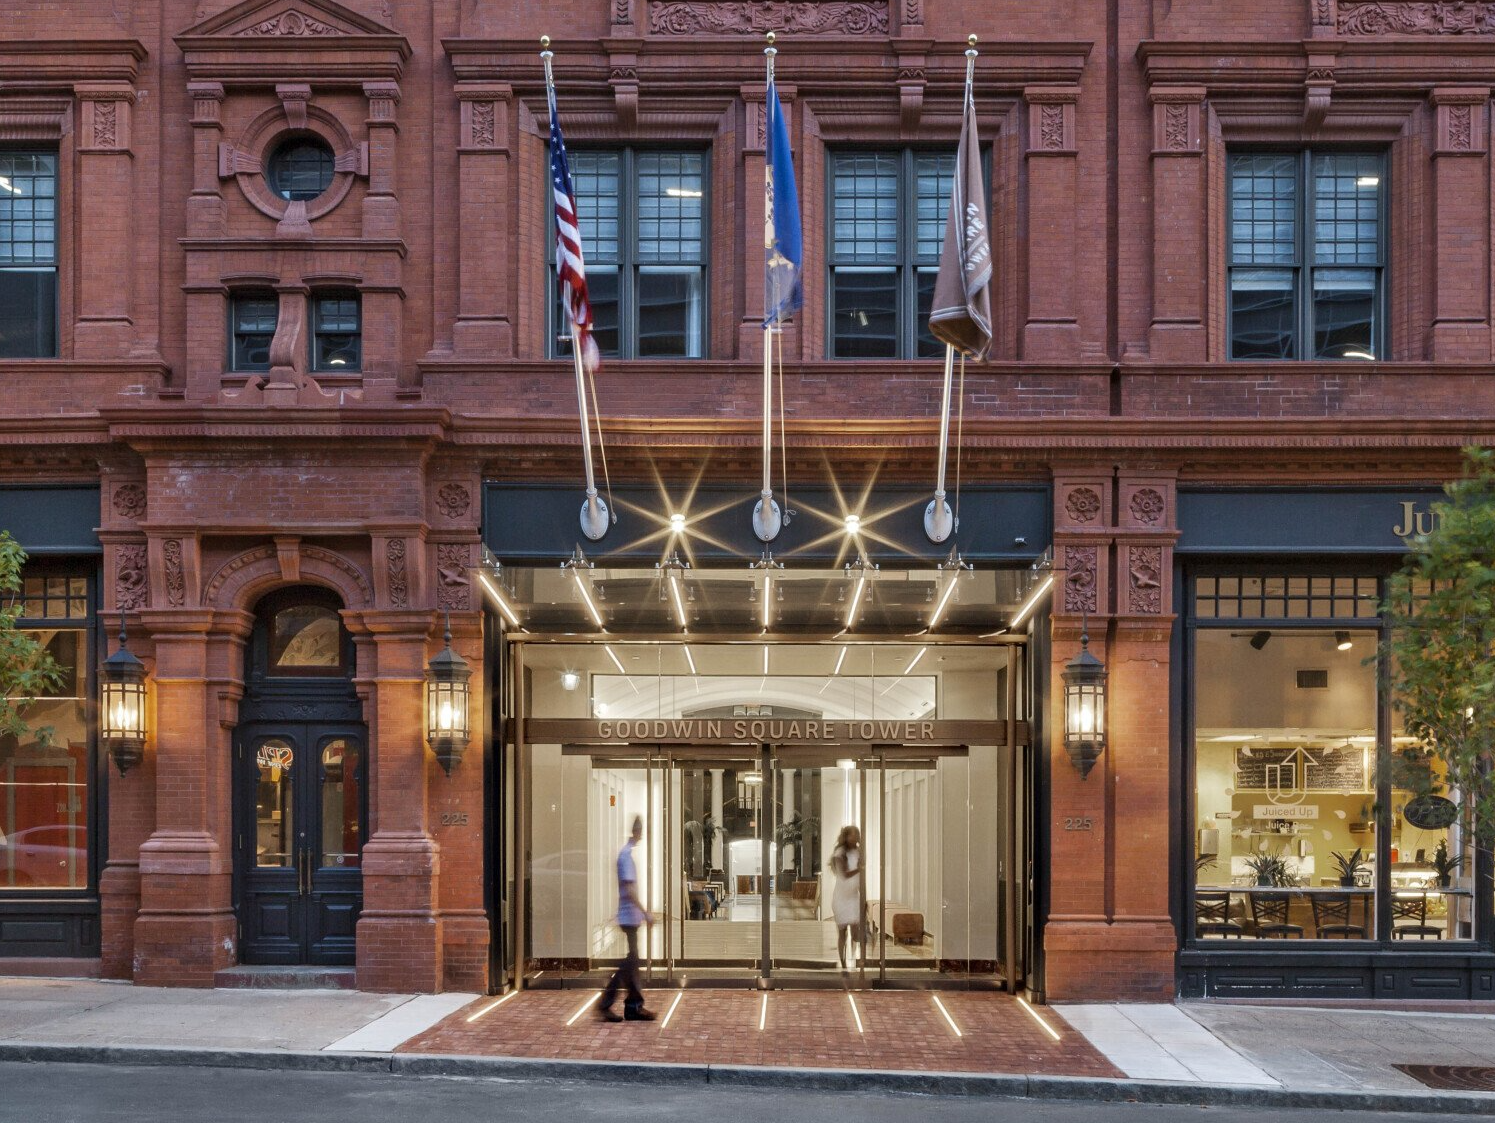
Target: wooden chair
{"points": [[1331, 916], [1415, 910], [1269, 913], [1212, 915]]}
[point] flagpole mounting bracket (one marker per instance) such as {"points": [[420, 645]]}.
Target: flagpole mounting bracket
{"points": [[768, 520], [939, 520], [594, 516]]}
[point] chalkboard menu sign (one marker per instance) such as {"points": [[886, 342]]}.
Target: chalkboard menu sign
{"points": [[1339, 768]]}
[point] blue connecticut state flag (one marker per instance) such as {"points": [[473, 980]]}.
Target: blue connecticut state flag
{"points": [[782, 244]]}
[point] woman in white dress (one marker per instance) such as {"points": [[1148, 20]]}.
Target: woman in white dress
{"points": [[847, 897]]}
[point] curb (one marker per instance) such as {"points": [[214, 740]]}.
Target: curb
{"points": [[998, 1085]]}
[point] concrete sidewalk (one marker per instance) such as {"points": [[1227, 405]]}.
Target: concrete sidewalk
{"points": [[1190, 1053]]}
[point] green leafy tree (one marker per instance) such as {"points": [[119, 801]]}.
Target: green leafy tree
{"points": [[1442, 607], [27, 669]]}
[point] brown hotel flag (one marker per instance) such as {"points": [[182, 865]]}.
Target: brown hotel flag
{"points": [[961, 312]]}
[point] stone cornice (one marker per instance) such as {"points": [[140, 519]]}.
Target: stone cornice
{"points": [[28, 64], [1385, 65], [151, 426]]}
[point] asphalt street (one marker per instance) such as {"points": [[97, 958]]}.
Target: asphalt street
{"points": [[68, 1093]]}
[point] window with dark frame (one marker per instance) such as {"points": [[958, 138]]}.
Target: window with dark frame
{"points": [[643, 226], [252, 318], [337, 332], [301, 168], [888, 213], [1307, 255], [28, 254]]}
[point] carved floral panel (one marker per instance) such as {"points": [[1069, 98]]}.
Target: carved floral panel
{"points": [[1420, 17], [740, 17]]}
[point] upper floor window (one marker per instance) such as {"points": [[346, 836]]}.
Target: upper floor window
{"points": [[252, 317], [301, 168], [336, 334], [28, 255], [643, 230], [1307, 255], [887, 227]]}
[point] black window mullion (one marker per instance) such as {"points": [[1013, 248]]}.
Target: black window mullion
{"points": [[628, 257], [1303, 346], [908, 219]]}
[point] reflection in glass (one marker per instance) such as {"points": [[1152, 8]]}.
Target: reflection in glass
{"points": [[865, 315], [341, 803], [44, 787], [669, 311], [306, 636], [1432, 846], [275, 763], [1261, 320], [1344, 309], [1285, 784]]}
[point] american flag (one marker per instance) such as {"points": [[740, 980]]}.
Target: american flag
{"points": [[569, 265]]}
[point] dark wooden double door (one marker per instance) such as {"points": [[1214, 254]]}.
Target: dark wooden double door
{"points": [[300, 827]]}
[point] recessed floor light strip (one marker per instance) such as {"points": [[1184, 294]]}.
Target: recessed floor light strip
{"points": [[855, 1013], [492, 1006], [584, 1007], [763, 1013], [670, 1013], [1048, 1029], [948, 1018]]}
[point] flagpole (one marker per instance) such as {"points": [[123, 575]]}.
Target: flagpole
{"points": [[593, 509], [767, 519], [939, 520]]}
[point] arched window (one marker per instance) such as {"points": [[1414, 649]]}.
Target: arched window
{"points": [[302, 634]]}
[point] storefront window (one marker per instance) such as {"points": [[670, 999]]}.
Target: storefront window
{"points": [[1432, 852], [1285, 736], [44, 779]]}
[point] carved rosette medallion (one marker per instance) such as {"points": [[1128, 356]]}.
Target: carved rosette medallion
{"points": [[1148, 506], [130, 590], [399, 578], [1398, 17], [1145, 578], [129, 501], [1080, 578], [453, 500], [176, 577], [1082, 505], [739, 17], [452, 585]]}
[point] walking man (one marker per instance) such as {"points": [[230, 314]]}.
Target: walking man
{"points": [[631, 914]]}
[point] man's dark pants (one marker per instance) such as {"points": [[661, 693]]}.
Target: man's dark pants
{"points": [[626, 976]]}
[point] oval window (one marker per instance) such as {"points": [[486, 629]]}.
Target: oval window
{"points": [[301, 168]]}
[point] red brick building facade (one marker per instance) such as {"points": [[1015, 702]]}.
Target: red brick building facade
{"points": [[1111, 128]]}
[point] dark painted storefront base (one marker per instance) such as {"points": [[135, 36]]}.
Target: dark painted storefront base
{"points": [[1237, 973]]}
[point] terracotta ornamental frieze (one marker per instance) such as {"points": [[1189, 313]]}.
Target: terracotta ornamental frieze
{"points": [[734, 17], [1441, 17]]}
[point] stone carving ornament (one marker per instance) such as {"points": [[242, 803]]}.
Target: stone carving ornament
{"points": [[1051, 127], [1079, 578], [291, 23], [452, 584], [105, 124], [453, 500], [129, 501], [1439, 17], [399, 579], [482, 124], [1176, 127], [129, 577], [1461, 127], [737, 17], [176, 578], [1146, 576], [1148, 506], [1083, 505]]}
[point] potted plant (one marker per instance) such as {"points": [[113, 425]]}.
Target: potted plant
{"points": [[1444, 864], [1265, 867], [1350, 865]]}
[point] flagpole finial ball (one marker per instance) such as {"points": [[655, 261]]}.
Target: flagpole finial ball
{"points": [[771, 37], [545, 41], [971, 39]]}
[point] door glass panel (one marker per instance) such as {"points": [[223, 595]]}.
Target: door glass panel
{"points": [[341, 803], [274, 806]]}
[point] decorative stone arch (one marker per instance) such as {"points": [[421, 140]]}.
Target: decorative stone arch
{"points": [[243, 580]]}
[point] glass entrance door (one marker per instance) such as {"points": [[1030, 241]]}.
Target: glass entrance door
{"points": [[300, 830]]}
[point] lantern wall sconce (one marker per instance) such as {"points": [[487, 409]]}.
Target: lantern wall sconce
{"points": [[448, 695], [122, 706], [1084, 707]]}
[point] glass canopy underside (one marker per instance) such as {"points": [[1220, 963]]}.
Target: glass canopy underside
{"points": [[659, 601]]}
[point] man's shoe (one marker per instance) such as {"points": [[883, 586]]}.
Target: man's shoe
{"points": [[606, 1015], [639, 1015]]}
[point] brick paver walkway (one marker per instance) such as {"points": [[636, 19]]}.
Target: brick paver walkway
{"points": [[900, 1030]]}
